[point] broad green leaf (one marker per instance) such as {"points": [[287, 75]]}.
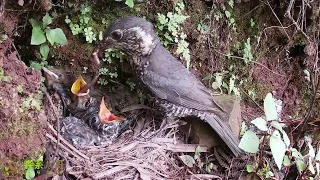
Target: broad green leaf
{"points": [[278, 148], [249, 168], [37, 36], [34, 23], [286, 161], [50, 34], [270, 108], [30, 174], [130, 3], [296, 153], [228, 14], [46, 20], [311, 150], [60, 38], [249, 142], [260, 123], [187, 160], [300, 165], [44, 50], [285, 137], [269, 174], [311, 168]]}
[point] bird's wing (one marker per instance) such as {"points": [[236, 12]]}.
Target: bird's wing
{"points": [[168, 79]]}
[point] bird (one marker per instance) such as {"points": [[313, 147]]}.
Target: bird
{"points": [[175, 89], [89, 122]]}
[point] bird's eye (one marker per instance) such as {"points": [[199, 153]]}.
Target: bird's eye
{"points": [[116, 35]]}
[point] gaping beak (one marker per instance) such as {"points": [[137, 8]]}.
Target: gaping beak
{"points": [[105, 115], [79, 87]]}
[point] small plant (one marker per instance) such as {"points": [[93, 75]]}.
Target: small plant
{"points": [[223, 81], [282, 151], [82, 24], [247, 55], [170, 31], [41, 33], [111, 61], [33, 167]]}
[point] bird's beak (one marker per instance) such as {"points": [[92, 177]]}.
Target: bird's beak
{"points": [[79, 86], [105, 115]]}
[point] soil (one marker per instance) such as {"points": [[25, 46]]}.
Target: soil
{"points": [[280, 58]]}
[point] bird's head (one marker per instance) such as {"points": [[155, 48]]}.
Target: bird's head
{"points": [[132, 35]]}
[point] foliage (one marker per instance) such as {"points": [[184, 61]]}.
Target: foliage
{"points": [[4, 77], [129, 3], [196, 160], [170, 31], [247, 55], [82, 24], [111, 65], [224, 80], [3, 37], [33, 167], [41, 32], [279, 143]]}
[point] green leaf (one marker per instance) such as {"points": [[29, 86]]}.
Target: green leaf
{"points": [[44, 50], [286, 161], [187, 160], [270, 108], [228, 14], [260, 123], [34, 23], [46, 20], [197, 153], [37, 36], [278, 148], [311, 168], [249, 142], [250, 168], [60, 38], [50, 36], [285, 137], [30, 174], [130, 3]]}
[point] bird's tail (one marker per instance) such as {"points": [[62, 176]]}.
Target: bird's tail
{"points": [[224, 130]]}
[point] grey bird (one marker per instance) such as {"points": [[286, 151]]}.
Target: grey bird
{"points": [[176, 90]]}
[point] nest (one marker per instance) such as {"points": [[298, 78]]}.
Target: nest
{"points": [[151, 154]]}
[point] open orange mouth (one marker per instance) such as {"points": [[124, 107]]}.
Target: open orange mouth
{"points": [[105, 115], [78, 85]]}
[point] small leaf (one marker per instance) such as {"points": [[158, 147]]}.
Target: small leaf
{"points": [[249, 168], [130, 3], [37, 36], [30, 174], [318, 155], [46, 20], [60, 37], [286, 161], [278, 148], [270, 108], [34, 23], [187, 160], [44, 50], [50, 36], [249, 142], [260, 123], [197, 153]]}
